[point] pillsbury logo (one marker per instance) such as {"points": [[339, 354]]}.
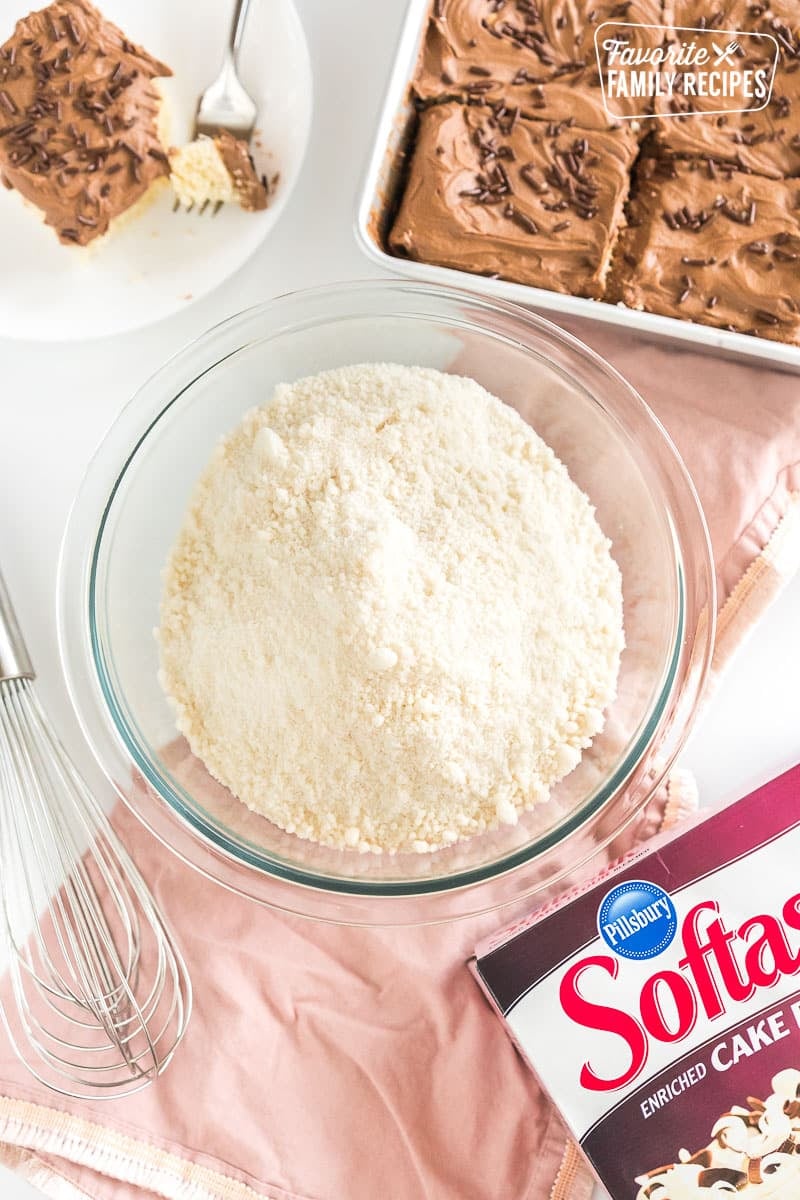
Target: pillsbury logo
{"points": [[637, 919]]}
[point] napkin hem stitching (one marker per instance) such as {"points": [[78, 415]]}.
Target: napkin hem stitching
{"points": [[33, 1127]]}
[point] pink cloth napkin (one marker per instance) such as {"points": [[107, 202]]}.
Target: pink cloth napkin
{"points": [[329, 1063], [737, 428]]}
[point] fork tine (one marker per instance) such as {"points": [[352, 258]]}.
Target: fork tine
{"points": [[187, 208]]}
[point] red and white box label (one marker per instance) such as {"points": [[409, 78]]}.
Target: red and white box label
{"points": [[660, 1008]]}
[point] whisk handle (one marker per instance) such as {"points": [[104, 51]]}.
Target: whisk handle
{"points": [[15, 662]]}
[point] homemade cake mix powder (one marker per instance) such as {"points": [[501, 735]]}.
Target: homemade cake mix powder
{"points": [[390, 620], [660, 1007]]}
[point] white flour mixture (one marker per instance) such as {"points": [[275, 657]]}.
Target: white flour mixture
{"points": [[390, 619]]}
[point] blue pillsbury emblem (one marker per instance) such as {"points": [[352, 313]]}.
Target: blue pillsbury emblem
{"points": [[637, 919]]}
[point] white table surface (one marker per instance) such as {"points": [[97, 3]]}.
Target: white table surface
{"points": [[56, 402]]}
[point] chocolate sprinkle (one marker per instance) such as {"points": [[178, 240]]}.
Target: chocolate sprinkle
{"points": [[72, 30], [527, 173], [524, 221], [134, 153]]}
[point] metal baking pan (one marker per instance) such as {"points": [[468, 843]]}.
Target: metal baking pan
{"points": [[380, 192]]}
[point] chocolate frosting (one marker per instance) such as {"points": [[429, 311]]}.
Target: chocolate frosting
{"points": [[78, 118], [496, 194], [724, 250], [251, 192], [766, 142], [776, 17], [576, 96], [540, 38], [763, 140]]}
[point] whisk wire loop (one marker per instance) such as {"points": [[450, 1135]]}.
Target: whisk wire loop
{"points": [[101, 996]]}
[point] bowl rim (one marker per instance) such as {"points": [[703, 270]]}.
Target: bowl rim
{"points": [[77, 577]]}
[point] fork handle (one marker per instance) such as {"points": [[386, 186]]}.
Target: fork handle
{"points": [[15, 662], [237, 27]]}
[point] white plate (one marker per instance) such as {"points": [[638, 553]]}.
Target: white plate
{"points": [[160, 261]]}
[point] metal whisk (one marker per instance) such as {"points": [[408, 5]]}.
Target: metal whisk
{"points": [[98, 996]]}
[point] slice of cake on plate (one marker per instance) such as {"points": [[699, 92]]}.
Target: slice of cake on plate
{"points": [[79, 119]]}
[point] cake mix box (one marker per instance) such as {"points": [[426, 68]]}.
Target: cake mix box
{"points": [[660, 1007]]}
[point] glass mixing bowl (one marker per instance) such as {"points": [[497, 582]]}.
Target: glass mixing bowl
{"points": [[130, 507]]}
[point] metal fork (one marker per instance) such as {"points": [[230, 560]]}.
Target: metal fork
{"points": [[225, 105]]}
